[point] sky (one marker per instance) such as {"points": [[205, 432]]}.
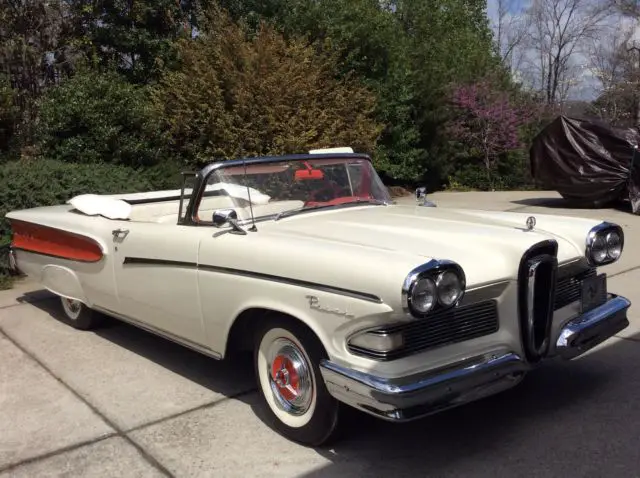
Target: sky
{"points": [[588, 86]]}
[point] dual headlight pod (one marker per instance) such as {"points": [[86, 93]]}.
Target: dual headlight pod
{"points": [[436, 285], [604, 244]]}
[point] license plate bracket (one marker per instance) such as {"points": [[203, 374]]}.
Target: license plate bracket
{"points": [[593, 293]]}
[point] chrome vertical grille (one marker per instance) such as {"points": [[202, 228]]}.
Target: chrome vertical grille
{"points": [[536, 292]]}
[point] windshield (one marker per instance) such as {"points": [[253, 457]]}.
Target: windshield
{"points": [[278, 189]]}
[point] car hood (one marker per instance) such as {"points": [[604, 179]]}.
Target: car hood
{"points": [[488, 245]]}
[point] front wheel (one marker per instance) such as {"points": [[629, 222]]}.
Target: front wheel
{"points": [[294, 396]]}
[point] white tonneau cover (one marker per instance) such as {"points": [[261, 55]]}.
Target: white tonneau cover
{"points": [[115, 206]]}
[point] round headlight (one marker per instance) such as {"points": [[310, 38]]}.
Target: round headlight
{"points": [[424, 296], [449, 288], [599, 249], [614, 245]]}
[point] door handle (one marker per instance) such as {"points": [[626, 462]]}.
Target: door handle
{"points": [[117, 232]]}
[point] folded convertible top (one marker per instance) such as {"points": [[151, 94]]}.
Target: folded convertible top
{"points": [[588, 162]]}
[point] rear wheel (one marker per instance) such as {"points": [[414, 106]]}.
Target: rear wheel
{"points": [[294, 396], [78, 315]]}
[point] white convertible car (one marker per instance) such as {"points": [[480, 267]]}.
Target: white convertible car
{"points": [[342, 295]]}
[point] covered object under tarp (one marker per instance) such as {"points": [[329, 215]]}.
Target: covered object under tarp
{"points": [[588, 162]]}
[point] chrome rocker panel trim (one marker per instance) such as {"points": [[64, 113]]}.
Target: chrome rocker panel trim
{"points": [[593, 327], [409, 398]]}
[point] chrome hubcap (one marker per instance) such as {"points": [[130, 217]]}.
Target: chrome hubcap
{"points": [[72, 307], [289, 377]]}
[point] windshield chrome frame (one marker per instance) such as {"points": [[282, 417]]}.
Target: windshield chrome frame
{"points": [[203, 176]]}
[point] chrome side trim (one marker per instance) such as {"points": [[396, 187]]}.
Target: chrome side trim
{"points": [[592, 328], [161, 333], [593, 234], [407, 398], [256, 275], [55, 256], [484, 292]]}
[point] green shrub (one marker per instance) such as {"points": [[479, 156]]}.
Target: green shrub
{"points": [[5, 279], [510, 172], [98, 117], [9, 116], [236, 96]]}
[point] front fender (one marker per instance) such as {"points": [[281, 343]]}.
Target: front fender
{"points": [[331, 317]]}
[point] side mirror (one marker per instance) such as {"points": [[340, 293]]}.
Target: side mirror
{"points": [[222, 217], [421, 197]]}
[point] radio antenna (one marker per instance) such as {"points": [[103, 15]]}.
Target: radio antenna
{"points": [[253, 227]]}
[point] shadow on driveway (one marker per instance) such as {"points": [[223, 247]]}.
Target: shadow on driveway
{"points": [[579, 418], [192, 365]]}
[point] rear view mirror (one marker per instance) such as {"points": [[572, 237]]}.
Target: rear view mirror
{"points": [[304, 174]]}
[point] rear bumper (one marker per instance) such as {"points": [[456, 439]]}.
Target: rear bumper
{"points": [[407, 398], [13, 262]]}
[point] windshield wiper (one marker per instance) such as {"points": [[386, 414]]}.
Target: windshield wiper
{"points": [[356, 202]]}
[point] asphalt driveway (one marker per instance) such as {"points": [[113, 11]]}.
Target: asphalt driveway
{"points": [[119, 402]]}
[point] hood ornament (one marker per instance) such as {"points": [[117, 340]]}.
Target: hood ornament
{"points": [[531, 223]]}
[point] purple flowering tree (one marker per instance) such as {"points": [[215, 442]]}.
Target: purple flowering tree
{"points": [[487, 120]]}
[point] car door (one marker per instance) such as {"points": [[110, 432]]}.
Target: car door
{"points": [[225, 279], [157, 279]]}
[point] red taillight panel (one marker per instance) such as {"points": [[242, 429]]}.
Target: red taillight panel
{"points": [[54, 242]]}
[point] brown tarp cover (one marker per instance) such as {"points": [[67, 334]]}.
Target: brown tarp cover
{"points": [[588, 162]]}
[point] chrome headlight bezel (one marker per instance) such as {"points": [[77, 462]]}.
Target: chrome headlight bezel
{"points": [[432, 270], [603, 231]]}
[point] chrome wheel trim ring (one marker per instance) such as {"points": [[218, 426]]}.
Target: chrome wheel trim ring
{"points": [[290, 377], [71, 307]]}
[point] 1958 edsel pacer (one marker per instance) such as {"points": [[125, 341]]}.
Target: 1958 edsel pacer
{"points": [[342, 295]]}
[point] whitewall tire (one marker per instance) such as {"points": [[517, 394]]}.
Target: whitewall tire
{"points": [[294, 396], [78, 315]]}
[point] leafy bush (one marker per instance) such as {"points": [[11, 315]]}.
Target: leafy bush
{"points": [[9, 115], [237, 96], [510, 172], [98, 117]]}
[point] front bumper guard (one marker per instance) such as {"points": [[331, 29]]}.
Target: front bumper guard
{"points": [[592, 328], [412, 397]]}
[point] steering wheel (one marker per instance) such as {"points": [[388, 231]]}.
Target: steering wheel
{"points": [[327, 193]]}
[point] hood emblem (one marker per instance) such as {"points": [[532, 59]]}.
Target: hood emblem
{"points": [[531, 223]]}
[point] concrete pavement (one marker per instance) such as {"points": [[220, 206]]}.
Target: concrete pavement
{"points": [[119, 402]]}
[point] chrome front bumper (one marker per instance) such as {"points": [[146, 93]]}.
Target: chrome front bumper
{"points": [[411, 397]]}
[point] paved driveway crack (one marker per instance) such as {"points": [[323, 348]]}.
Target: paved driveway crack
{"points": [[118, 432]]}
